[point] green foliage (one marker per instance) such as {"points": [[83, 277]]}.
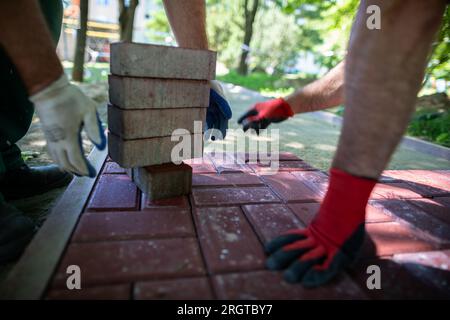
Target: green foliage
{"points": [[257, 81], [431, 126]]}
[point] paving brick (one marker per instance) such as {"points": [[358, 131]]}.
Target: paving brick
{"points": [[271, 220], [123, 261], [305, 211], [113, 168], [416, 218], [151, 151], [147, 93], [431, 267], [254, 157], [226, 163], [280, 166], [374, 214], [230, 196], [399, 190], [153, 61], [227, 240], [229, 179], [201, 165], [289, 188], [266, 285], [180, 202], [179, 289], [153, 223], [388, 238], [427, 183], [163, 181], [113, 292], [437, 207], [149, 123], [114, 192], [396, 282], [316, 180], [390, 176]]}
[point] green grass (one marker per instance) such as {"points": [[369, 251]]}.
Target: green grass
{"points": [[267, 85], [94, 72]]}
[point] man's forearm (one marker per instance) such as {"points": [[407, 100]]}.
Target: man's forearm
{"points": [[321, 94], [27, 41], [188, 22]]}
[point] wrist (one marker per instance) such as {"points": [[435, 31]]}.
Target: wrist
{"points": [[51, 89], [285, 105]]}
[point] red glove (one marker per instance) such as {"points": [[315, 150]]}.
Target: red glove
{"points": [[331, 242], [264, 113]]}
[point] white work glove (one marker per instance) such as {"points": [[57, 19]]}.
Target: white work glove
{"points": [[63, 110]]}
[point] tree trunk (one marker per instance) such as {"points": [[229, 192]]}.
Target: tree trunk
{"points": [[249, 15], [78, 63], [126, 19]]}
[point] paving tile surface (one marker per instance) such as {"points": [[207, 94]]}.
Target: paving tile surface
{"points": [[209, 244]]}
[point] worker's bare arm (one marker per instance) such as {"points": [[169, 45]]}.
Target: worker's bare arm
{"points": [[27, 41], [323, 93], [384, 71], [187, 20]]}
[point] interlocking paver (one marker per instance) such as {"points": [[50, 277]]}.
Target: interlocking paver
{"points": [[227, 240]]}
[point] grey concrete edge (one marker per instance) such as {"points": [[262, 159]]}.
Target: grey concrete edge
{"points": [[30, 276]]}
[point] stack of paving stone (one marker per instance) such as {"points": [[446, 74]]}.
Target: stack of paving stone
{"points": [[154, 90]]}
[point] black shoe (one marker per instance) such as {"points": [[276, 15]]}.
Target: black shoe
{"points": [[26, 182], [16, 231]]}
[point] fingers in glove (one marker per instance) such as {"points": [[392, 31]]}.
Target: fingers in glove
{"points": [[282, 258], [77, 159], [298, 269], [249, 113], [282, 241], [94, 129], [64, 162]]}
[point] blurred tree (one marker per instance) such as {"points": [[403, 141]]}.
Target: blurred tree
{"points": [[78, 62], [127, 9], [249, 19]]}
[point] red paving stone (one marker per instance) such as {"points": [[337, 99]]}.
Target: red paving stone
{"points": [[126, 261], [271, 220], [176, 202], [305, 211], [209, 245], [291, 189], [280, 166], [153, 223], [114, 192], [392, 237], [266, 285], [229, 179], [113, 168], [416, 218], [201, 165], [227, 240], [437, 207], [246, 157], [114, 292], [396, 282], [226, 163], [399, 190], [232, 196], [179, 289]]}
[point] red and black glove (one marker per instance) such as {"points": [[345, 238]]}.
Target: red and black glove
{"points": [[313, 256], [264, 113]]}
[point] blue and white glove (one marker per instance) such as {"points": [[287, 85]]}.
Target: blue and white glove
{"points": [[219, 111], [64, 110]]}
